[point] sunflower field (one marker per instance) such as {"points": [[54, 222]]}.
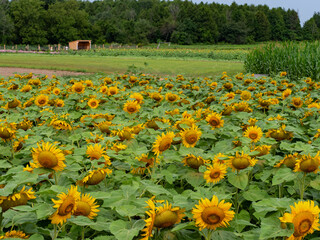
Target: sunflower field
{"points": [[141, 157]]}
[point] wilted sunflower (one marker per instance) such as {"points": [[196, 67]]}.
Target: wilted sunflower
{"points": [[7, 131], [304, 217], [193, 161], [215, 121], [41, 100], [48, 156], [307, 164], [254, 133], [215, 173], [78, 87], [280, 134], [86, 206], [163, 142], [239, 162], [161, 217], [16, 199], [66, 205], [171, 97], [131, 107], [93, 103], [15, 234], [148, 163], [190, 136], [96, 151], [95, 176], [212, 214]]}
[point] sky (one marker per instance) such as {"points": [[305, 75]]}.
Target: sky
{"points": [[305, 8]]}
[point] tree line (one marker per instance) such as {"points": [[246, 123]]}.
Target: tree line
{"points": [[148, 21]]}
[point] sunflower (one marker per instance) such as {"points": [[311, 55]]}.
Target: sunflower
{"points": [[245, 95], [171, 97], [215, 121], [308, 164], [190, 136], [117, 147], [240, 162], [242, 107], [104, 89], [17, 145], [280, 134], [304, 217], [56, 91], [263, 150], [41, 100], [212, 214], [16, 199], [93, 103], [48, 156], [187, 120], [86, 206], [59, 103], [96, 151], [156, 96], [163, 142], [124, 134], [220, 158], [95, 176], [78, 87], [297, 102], [104, 126], [161, 217], [289, 160], [66, 205], [193, 161], [113, 90], [7, 131], [60, 124], [215, 173], [254, 133], [137, 96], [286, 93], [15, 234], [131, 107], [148, 163], [26, 88], [13, 104]]}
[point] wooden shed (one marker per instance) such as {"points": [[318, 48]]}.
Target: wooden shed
{"points": [[80, 45]]}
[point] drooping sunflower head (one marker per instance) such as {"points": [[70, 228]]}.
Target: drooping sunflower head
{"points": [[96, 151], [59, 103], [78, 87], [307, 164], [297, 102], [17, 199], [190, 136], [93, 103], [156, 96], [220, 158], [305, 219], [95, 176], [214, 120], [215, 173], [289, 160], [263, 150], [254, 133], [47, 155], [193, 161], [41, 100], [286, 93], [245, 95], [15, 234], [163, 142], [124, 134], [60, 124], [86, 206], [212, 214], [147, 163], [7, 131], [242, 107], [138, 97], [131, 107], [241, 161], [66, 205], [171, 97], [26, 88], [104, 127]]}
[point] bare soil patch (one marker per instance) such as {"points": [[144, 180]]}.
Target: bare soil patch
{"points": [[10, 71]]}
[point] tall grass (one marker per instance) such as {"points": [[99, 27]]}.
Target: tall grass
{"points": [[297, 59]]}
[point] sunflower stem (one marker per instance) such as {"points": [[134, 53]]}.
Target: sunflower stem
{"points": [[82, 232], [280, 190], [55, 232], [55, 178], [302, 188], [208, 236]]}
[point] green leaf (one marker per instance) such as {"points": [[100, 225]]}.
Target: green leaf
{"points": [[4, 164], [127, 210], [315, 183], [43, 210], [5, 151], [194, 178], [81, 221], [238, 180], [270, 228], [254, 193], [122, 229], [36, 237], [223, 235], [283, 175], [155, 189], [25, 177], [187, 225]]}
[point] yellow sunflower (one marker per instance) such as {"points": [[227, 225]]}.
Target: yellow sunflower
{"points": [[104, 89], [137, 96], [60, 124], [95, 177], [131, 107], [245, 95], [78, 87], [215, 173], [41, 100], [286, 93], [66, 205], [289, 160], [148, 163], [305, 218], [307, 164], [48, 156], [187, 120], [215, 121], [104, 126], [56, 91], [96, 151], [263, 150], [13, 104], [193, 161], [241, 161], [26, 88], [163, 142], [156, 96], [254, 133], [220, 158], [124, 134], [86, 206], [161, 217], [15, 234], [59, 103], [171, 97], [93, 103], [7, 131], [113, 90], [297, 102], [190, 136], [16, 199], [212, 214]]}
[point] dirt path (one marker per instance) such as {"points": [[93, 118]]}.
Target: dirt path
{"points": [[10, 71]]}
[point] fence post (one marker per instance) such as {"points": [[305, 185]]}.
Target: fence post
{"points": [[59, 46], [39, 47], [103, 46], [95, 46], [16, 47], [4, 47]]}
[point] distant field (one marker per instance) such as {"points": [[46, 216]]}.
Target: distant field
{"points": [[121, 64]]}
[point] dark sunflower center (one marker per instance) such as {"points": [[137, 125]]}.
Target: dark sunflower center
{"points": [[164, 145], [191, 137], [42, 101], [78, 88], [240, 163], [67, 206], [47, 159], [172, 98], [253, 135], [131, 109], [193, 162], [214, 175], [290, 162], [83, 209], [212, 215], [95, 155], [214, 122], [96, 178], [93, 104], [302, 223], [5, 133], [165, 219]]}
